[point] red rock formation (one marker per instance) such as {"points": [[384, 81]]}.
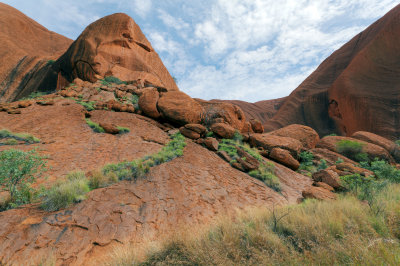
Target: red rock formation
{"points": [[356, 88], [113, 46], [25, 48]]}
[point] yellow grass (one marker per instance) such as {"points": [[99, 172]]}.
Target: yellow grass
{"points": [[343, 232]]}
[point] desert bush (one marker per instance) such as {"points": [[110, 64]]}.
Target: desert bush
{"points": [[266, 173], [34, 95], [17, 170], [10, 142], [383, 170], [342, 232], [349, 148], [322, 165], [306, 161], [123, 130], [95, 126], [65, 193], [135, 101], [98, 180], [28, 138], [89, 106], [210, 114], [110, 79]]}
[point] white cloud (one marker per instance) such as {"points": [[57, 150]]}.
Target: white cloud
{"points": [[141, 7]]}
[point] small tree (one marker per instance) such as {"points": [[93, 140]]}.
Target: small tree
{"points": [[17, 168]]}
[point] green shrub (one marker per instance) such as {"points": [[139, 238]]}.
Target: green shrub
{"points": [[135, 101], [322, 165], [383, 170], [210, 134], [99, 180], [10, 142], [87, 105], [65, 193], [96, 127], [28, 138], [140, 167], [50, 62], [349, 148], [265, 173], [17, 170], [397, 142], [123, 130], [110, 79], [362, 157], [306, 161], [34, 95]]}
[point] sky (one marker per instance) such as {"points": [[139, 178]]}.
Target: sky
{"points": [[247, 50]]}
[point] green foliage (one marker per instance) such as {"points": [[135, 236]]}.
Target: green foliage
{"points": [[17, 170], [65, 193], [210, 134], [10, 142], [88, 105], [135, 101], [123, 130], [322, 165], [28, 138], [96, 127], [98, 180], [306, 161], [383, 170], [50, 62], [349, 148], [339, 160], [397, 142], [266, 173], [110, 79], [34, 95], [140, 167], [237, 137], [361, 157]]}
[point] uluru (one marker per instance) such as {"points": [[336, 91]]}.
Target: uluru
{"points": [[107, 158]]}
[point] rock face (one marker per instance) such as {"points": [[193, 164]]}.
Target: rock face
{"points": [[113, 46], [356, 88], [306, 135], [25, 49], [268, 142]]}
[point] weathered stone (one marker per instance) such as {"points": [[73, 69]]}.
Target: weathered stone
{"points": [[318, 193], [148, 102], [268, 142], [211, 144], [284, 157], [329, 177], [306, 135], [223, 130]]}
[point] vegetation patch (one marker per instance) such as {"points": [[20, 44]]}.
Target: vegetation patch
{"points": [[95, 126], [35, 95], [123, 130], [65, 193], [350, 149], [77, 185], [18, 169], [89, 106], [110, 79], [265, 171], [11, 138], [341, 232]]}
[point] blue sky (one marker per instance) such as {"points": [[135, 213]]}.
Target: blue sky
{"points": [[226, 49]]}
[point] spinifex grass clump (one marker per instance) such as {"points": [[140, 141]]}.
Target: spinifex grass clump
{"points": [[265, 171], [351, 149], [75, 187], [139, 167], [341, 232], [27, 138], [95, 126], [110, 79]]}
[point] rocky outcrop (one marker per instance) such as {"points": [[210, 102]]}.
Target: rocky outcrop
{"points": [[373, 151], [319, 193], [113, 46], [284, 157], [306, 135], [223, 130], [353, 88], [26, 49], [268, 142]]}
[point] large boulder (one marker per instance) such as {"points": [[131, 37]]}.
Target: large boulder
{"points": [[268, 142], [318, 193], [179, 108], [217, 112], [284, 157], [113, 46], [389, 145], [373, 151], [26, 49], [329, 177], [306, 135], [329, 156], [223, 130], [148, 102]]}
